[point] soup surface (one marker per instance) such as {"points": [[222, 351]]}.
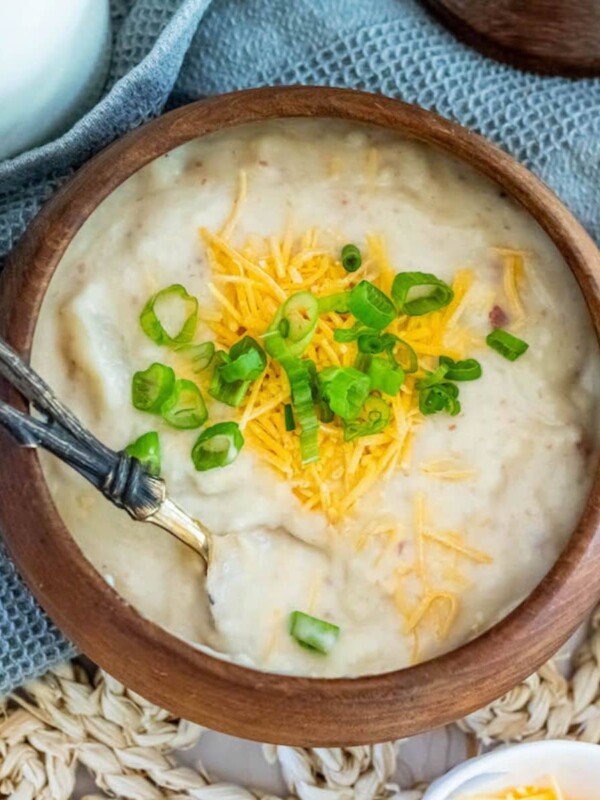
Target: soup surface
{"points": [[411, 532]]}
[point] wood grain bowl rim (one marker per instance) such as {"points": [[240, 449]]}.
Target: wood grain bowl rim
{"points": [[222, 695]]}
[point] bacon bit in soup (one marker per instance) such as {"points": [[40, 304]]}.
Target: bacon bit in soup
{"points": [[498, 317]]}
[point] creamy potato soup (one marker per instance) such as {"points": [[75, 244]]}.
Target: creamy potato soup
{"points": [[401, 373]]}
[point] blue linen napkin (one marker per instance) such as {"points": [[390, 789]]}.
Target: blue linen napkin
{"points": [[167, 52]]}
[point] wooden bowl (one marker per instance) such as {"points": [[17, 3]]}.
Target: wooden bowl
{"points": [[170, 672]]}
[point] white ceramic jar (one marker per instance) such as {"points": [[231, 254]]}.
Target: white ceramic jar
{"points": [[54, 56], [574, 765]]}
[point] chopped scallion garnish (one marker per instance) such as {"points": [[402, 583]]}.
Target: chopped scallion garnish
{"points": [[509, 346], [385, 377], [232, 393], [146, 449], [344, 335], [247, 361], [374, 416], [185, 407], [284, 328], [467, 370], [351, 257], [439, 397], [334, 302], [345, 389], [301, 312], [288, 413], [298, 373], [432, 378], [370, 343], [371, 306], [151, 387], [199, 355], [217, 446], [363, 361], [403, 354], [154, 328], [313, 633], [417, 293]]}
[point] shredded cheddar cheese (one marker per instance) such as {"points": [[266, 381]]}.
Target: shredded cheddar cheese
{"points": [[522, 793], [454, 541], [436, 605], [514, 272], [234, 214], [249, 283], [448, 469]]}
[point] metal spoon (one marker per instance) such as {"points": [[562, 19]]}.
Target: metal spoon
{"points": [[120, 477]]}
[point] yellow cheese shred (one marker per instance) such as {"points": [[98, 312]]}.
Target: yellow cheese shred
{"points": [[249, 282], [234, 214], [521, 793], [514, 272], [445, 598], [447, 469], [453, 541]]}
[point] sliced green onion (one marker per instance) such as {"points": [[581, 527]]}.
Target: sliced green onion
{"points": [[231, 393], [344, 335], [371, 306], [509, 346], [375, 342], [313, 633], [151, 387], [147, 451], [185, 407], [153, 327], [298, 373], [288, 414], [417, 293], [345, 389], [439, 397], [217, 446], [467, 370], [200, 355], [301, 311], [247, 361], [276, 341], [371, 343], [334, 302], [351, 258], [324, 411], [385, 377], [374, 417], [406, 358], [433, 378], [388, 341], [363, 361]]}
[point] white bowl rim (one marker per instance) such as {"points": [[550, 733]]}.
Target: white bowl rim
{"points": [[501, 759]]}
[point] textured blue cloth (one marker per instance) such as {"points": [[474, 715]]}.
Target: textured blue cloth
{"points": [[166, 52]]}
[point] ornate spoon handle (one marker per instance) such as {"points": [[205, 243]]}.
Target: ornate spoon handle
{"points": [[121, 478]]}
